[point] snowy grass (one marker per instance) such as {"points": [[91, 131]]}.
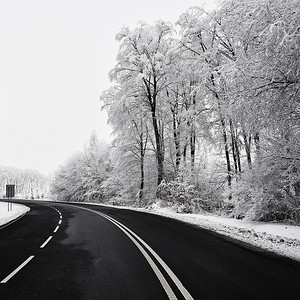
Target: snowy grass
{"points": [[8, 216]]}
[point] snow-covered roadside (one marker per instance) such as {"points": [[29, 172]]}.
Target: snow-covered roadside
{"points": [[274, 237], [8, 216]]}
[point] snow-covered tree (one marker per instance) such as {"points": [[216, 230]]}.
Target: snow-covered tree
{"points": [[29, 183], [143, 62], [81, 177], [219, 102]]}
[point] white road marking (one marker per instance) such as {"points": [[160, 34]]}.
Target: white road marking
{"points": [[17, 269], [175, 279], [135, 238], [47, 241], [32, 256]]}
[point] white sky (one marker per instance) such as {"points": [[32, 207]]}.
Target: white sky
{"points": [[55, 56]]}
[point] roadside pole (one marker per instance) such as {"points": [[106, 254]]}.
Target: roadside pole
{"points": [[10, 193]]}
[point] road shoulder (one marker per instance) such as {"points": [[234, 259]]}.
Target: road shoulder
{"points": [[9, 216]]}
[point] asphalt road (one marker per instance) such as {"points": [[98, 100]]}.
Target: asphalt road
{"points": [[62, 251]]}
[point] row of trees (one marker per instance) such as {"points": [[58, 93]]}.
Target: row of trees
{"points": [[82, 177], [29, 183], [205, 117], [215, 101]]}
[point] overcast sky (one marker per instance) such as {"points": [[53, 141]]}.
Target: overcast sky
{"points": [[55, 56]]}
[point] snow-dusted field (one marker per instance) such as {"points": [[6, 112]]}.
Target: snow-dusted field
{"points": [[8, 216]]}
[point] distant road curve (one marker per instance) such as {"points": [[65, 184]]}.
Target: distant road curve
{"points": [[67, 251]]}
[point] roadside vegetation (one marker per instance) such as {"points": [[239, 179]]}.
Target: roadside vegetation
{"points": [[30, 184], [206, 116]]}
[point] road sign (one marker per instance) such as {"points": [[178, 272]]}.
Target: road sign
{"points": [[10, 190]]}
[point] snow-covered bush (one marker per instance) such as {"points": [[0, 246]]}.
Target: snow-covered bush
{"points": [[181, 194], [269, 191], [81, 177]]}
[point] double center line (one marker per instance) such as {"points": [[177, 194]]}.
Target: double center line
{"points": [[143, 246]]}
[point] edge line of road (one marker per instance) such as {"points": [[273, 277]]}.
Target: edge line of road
{"points": [[139, 243], [12, 221]]}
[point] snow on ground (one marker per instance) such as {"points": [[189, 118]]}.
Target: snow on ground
{"points": [[8, 216], [274, 237]]}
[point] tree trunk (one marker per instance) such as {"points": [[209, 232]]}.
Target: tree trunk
{"points": [[193, 138], [193, 148], [226, 152], [184, 154], [176, 134], [158, 138], [238, 153], [142, 180], [224, 135], [159, 150], [233, 147], [247, 142], [257, 143]]}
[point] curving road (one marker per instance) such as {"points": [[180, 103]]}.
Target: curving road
{"points": [[63, 251]]}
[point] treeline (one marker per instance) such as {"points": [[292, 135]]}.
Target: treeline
{"points": [[82, 177], [29, 184], [206, 112]]}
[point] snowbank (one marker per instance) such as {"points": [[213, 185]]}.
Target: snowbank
{"points": [[274, 237], [7, 216], [278, 238]]}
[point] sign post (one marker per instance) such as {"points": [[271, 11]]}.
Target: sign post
{"points": [[10, 193]]}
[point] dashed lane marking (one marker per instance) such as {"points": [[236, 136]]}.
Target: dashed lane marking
{"points": [[47, 241], [17, 269], [32, 256]]}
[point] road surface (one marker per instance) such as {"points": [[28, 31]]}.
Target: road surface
{"points": [[63, 251]]}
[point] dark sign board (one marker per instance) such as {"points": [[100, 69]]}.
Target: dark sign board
{"points": [[10, 190]]}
